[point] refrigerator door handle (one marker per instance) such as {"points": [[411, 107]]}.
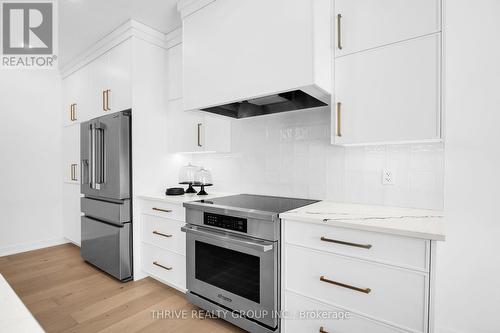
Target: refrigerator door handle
{"points": [[92, 156], [100, 156]]}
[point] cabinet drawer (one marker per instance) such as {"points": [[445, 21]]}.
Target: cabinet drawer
{"points": [[166, 266], [164, 209], [164, 233], [391, 249], [390, 294], [306, 315]]}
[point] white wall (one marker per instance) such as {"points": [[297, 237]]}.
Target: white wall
{"points": [[468, 292], [30, 165], [290, 154]]}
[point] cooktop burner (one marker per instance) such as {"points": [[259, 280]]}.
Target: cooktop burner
{"points": [[259, 203]]}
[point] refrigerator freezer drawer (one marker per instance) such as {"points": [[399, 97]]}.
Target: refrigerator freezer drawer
{"points": [[116, 213], [108, 247]]}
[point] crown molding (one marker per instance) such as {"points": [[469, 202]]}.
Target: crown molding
{"points": [[188, 7], [125, 31], [173, 38]]}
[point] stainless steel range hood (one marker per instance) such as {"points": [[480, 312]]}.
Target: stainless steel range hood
{"points": [[239, 67], [287, 101]]}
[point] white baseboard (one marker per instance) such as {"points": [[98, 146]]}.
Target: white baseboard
{"points": [[25, 247]]}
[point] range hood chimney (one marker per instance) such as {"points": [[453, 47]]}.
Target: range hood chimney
{"points": [[257, 57]]}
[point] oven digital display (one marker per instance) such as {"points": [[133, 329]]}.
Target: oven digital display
{"points": [[225, 222]]}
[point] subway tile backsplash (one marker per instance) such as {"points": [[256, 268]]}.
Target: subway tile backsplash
{"points": [[290, 154]]}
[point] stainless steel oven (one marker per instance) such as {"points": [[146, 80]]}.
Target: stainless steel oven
{"points": [[237, 272], [233, 258]]}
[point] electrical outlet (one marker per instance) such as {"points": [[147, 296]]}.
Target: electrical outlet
{"points": [[388, 177]]}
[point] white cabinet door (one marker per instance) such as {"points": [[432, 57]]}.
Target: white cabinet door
{"points": [[185, 129], [71, 154], [97, 85], [118, 77], [195, 132], [390, 93], [74, 97], [174, 73], [71, 213], [365, 24]]}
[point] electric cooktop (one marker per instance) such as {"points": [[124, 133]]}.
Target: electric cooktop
{"points": [[261, 203]]}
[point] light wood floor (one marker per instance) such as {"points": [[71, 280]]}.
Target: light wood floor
{"points": [[67, 295]]}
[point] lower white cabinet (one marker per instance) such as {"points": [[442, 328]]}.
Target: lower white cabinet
{"points": [[71, 153], [71, 212], [321, 317], [163, 244], [330, 269]]}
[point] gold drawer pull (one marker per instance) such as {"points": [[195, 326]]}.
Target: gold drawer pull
{"points": [[339, 119], [339, 31], [364, 246], [162, 210], [343, 285], [160, 234], [322, 330], [160, 265]]}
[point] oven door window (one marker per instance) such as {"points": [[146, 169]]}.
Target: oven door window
{"points": [[233, 271]]}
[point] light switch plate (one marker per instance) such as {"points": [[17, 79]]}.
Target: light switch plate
{"points": [[388, 177]]}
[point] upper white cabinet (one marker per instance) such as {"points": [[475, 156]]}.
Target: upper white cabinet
{"points": [[387, 72], [75, 102], [239, 50], [389, 94], [365, 24], [102, 86], [191, 131], [196, 132]]}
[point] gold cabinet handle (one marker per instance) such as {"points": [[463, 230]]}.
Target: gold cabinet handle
{"points": [[104, 100], [199, 134], [339, 119], [339, 31], [161, 266], [343, 285], [329, 240], [322, 330], [107, 100], [73, 172], [74, 112], [71, 112], [161, 234], [162, 210]]}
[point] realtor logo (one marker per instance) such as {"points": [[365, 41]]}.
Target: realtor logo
{"points": [[28, 31]]}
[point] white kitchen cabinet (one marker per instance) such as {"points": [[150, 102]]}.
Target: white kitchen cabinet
{"points": [[118, 80], [329, 269], [71, 154], [110, 86], [75, 102], [71, 213], [191, 131], [365, 24], [389, 94]]}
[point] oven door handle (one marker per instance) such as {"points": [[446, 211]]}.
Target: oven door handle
{"points": [[262, 246]]}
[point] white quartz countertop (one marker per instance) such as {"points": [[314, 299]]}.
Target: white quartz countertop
{"points": [[14, 316], [417, 223], [180, 199]]}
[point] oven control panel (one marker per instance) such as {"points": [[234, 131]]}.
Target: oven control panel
{"points": [[225, 222]]}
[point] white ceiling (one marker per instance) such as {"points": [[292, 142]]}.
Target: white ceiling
{"points": [[83, 22]]}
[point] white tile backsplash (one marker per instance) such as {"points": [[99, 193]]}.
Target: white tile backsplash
{"points": [[290, 154]]}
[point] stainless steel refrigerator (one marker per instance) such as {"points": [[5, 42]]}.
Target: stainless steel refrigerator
{"points": [[106, 185]]}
